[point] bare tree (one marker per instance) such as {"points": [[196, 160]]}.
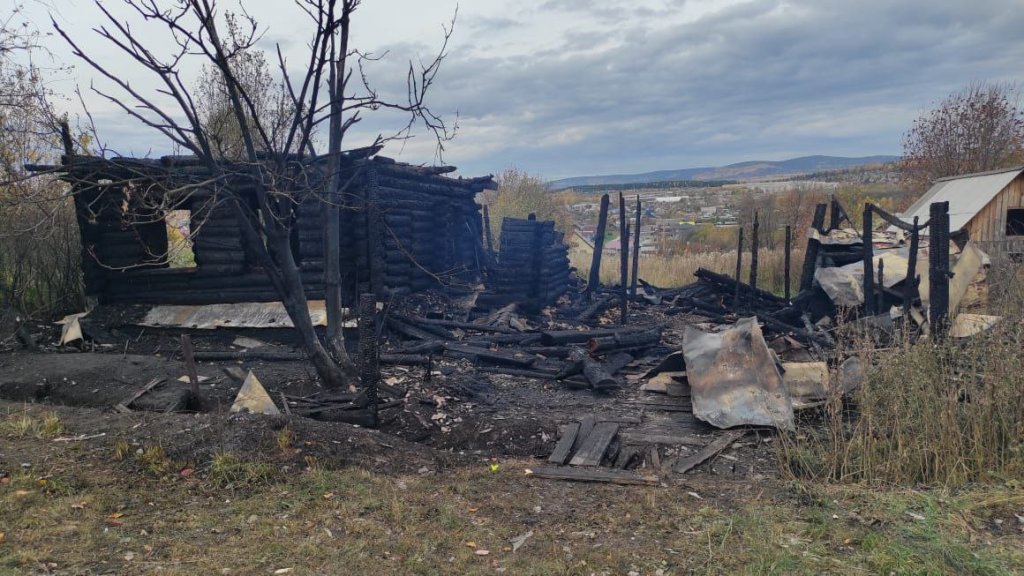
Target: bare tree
{"points": [[978, 128], [278, 162], [38, 243]]}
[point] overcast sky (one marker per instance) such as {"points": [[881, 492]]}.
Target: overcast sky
{"points": [[575, 87]]}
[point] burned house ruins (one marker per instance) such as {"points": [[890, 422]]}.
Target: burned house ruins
{"points": [[404, 229]]}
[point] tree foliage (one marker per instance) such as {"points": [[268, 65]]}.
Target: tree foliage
{"points": [[520, 194], [976, 129], [270, 99]]}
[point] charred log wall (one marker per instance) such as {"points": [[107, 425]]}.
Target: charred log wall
{"points": [[404, 229], [533, 265]]}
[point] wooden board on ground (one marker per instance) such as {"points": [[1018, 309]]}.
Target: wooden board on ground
{"points": [[123, 405], [596, 444], [719, 444], [586, 427], [654, 438], [593, 475], [564, 447]]}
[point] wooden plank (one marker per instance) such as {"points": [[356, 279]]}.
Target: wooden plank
{"points": [[563, 449], [586, 427], [668, 439], [594, 447], [721, 443], [594, 475], [123, 405]]}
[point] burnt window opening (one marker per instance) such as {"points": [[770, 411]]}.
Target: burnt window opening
{"points": [[1015, 222], [180, 246]]}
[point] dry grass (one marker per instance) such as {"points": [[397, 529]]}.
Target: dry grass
{"points": [[671, 271], [78, 511], [947, 413], [43, 426]]}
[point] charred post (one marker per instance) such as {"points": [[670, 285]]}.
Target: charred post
{"points": [[788, 260], [595, 265], [739, 269], [880, 305], [869, 269], [754, 246], [835, 215], [623, 259], [910, 284], [487, 233], [636, 250], [369, 361], [938, 269], [813, 245]]}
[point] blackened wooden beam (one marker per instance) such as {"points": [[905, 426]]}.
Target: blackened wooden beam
{"points": [[813, 245], [595, 265], [739, 269], [788, 260], [623, 260], [487, 232], [636, 249], [754, 246], [869, 264], [835, 215], [910, 284], [938, 269], [880, 305]]}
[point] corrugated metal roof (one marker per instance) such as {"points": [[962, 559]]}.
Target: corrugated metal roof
{"points": [[966, 195]]}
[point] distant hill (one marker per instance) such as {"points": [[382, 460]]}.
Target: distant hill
{"points": [[754, 170]]}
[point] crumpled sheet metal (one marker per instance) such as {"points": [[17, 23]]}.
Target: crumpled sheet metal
{"points": [[734, 380], [966, 325], [845, 284], [240, 315]]}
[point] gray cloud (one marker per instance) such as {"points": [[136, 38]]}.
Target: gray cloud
{"points": [[568, 87], [758, 79]]}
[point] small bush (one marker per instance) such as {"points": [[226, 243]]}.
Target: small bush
{"points": [[667, 271]]}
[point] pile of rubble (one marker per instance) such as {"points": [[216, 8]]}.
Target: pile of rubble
{"points": [[669, 369]]}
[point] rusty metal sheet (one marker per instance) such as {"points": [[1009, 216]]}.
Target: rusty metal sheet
{"points": [[734, 380], [241, 315]]}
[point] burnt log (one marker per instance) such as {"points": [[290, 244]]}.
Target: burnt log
{"points": [[596, 308], [625, 340], [475, 354]]}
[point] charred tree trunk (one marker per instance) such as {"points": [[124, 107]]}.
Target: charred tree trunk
{"points": [[293, 297], [332, 208]]}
